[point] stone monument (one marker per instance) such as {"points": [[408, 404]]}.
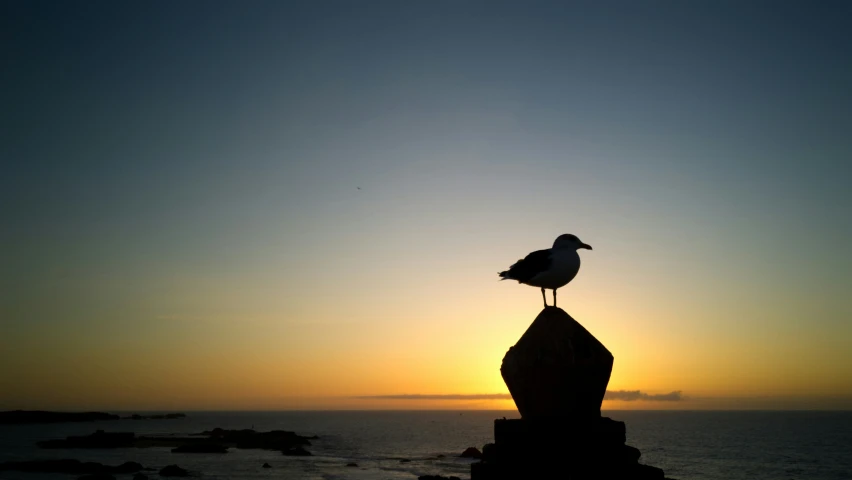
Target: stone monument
{"points": [[557, 374]]}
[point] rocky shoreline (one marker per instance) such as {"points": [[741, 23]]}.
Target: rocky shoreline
{"points": [[215, 442]]}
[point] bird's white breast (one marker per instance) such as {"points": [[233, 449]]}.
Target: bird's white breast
{"points": [[563, 268]]}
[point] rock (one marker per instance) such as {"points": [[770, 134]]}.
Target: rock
{"points": [[631, 454], [272, 440], [647, 472], [353, 464], [404, 460], [440, 455], [140, 476], [73, 467], [41, 416], [173, 471], [201, 448], [266, 465], [128, 467], [296, 452], [557, 368], [471, 452], [436, 477], [167, 416], [97, 476]]}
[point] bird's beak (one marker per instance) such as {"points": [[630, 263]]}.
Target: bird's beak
{"points": [[589, 247]]}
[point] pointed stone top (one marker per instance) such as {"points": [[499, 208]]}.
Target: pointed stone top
{"points": [[557, 368]]}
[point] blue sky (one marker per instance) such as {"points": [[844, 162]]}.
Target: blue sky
{"points": [[204, 159]]}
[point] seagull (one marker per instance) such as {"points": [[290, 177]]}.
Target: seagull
{"points": [[552, 268]]}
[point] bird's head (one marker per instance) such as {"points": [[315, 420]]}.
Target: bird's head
{"points": [[568, 241]]}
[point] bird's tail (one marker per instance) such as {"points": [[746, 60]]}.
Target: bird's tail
{"points": [[504, 275]]}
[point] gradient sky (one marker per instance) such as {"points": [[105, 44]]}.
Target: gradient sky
{"points": [[183, 226]]}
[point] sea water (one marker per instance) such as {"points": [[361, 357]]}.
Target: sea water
{"points": [[392, 445]]}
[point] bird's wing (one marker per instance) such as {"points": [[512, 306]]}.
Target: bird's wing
{"points": [[525, 269]]}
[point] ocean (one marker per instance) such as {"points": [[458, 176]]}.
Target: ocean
{"points": [[390, 445]]}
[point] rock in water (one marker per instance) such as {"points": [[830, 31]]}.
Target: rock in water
{"points": [[173, 471], [557, 368], [471, 452]]}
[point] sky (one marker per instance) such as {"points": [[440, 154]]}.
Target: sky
{"points": [[304, 205]]}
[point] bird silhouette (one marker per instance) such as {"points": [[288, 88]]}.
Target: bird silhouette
{"points": [[551, 268]]}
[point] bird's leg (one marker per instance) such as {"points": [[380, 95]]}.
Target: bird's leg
{"points": [[554, 297], [543, 297]]}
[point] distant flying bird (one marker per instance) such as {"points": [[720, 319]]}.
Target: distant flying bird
{"points": [[552, 268]]}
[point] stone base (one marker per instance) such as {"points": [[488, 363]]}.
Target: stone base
{"points": [[575, 449]]}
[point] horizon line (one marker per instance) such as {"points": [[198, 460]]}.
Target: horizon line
{"points": [[515, 410], [619, 395]]}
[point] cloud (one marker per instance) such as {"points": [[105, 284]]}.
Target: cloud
{"points": [[627, 395], [633, 395], [454, 396]]}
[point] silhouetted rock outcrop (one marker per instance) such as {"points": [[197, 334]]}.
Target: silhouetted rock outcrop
{"points": [[557, 374], [471, 452], [166, 416], [41, 416], [140, 476], [73, 467], [173, 471], [353, 464]]}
